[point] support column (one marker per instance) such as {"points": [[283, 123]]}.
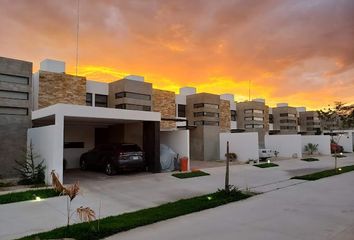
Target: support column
{"points": [[151, 145]]}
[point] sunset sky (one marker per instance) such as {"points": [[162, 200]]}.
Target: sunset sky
{"points": [[295, 51]]}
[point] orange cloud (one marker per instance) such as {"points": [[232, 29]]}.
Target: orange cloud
{"points": [[300, 52]]}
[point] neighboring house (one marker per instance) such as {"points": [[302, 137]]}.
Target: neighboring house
{"points": [[15, 112], [310, 123], [253, 116], [284, 119]]}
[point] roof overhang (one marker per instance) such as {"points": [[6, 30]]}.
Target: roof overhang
{"points": [[69, 111]]}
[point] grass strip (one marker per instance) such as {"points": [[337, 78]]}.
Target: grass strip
{"points": [[112, 225], [27, 195], [310, 159], [266, 165], [324, 174], [339, 155], [190, 174]]}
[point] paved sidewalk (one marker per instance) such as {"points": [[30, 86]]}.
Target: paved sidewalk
{"points": [[119, 194]]}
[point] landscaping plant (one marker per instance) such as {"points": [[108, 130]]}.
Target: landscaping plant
{"points": [[71, 191], [30, 172], [311, 148]]}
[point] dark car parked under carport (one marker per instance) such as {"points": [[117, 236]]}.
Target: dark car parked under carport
{"points": [[114, 157]]}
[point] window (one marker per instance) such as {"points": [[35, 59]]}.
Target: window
{"points": [[181, 110], [206, 105], [13, 79], [250, 111], [209, 123], [13, 111], [287, 121], [13, 95], [233, 115], [254, 119], [133, 95], [287, 115], [250, 126], [206, 114], [271, 118], [88, 99], [100, 100], [133, 107], [287, 127]]}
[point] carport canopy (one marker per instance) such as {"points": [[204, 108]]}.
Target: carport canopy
{"points": [[47, 135]]}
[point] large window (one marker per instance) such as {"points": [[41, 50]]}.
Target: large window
{"points": [[13, 95], [209, 123], [13, 111], [233, 115], [133, 95], [181, 110], [133, 107], [287, 121], [88, 99], [206, 105], [250, 111], [287, 115], [254, 119], [206, 114], [271, 118], [101, 100], [287, 127], [13, 79], [251, 126]]}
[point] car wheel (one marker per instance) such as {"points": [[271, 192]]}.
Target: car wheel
{"points": [[109, 170], [83, 165]]}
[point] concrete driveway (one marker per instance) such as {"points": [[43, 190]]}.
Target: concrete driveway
{"points": [[119, 194]]}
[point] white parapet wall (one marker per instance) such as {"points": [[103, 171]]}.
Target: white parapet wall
{"points": [[323, 141], [177, 140], [287, 146], [245, 145], [48, 149]]}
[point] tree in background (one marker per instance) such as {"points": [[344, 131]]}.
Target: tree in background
{"points": [[343, 115]]}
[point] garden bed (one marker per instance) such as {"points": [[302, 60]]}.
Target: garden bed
{"points": [[190, 174], [324, 174]]}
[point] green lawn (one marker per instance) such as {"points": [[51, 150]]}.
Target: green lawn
{"points": [[310, 159], [266, 165], [27, 195], [111, 225], [339, 155], [190, 174], [326, 173]]}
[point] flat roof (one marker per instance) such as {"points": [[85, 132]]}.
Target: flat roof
{"points": [[79, 111]]}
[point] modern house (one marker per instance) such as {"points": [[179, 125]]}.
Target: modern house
{"points": [[253, 116], [284, 119], [310, 123], [15, 112]]}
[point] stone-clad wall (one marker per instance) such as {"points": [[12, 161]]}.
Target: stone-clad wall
{"points": [[225, 116], [164, 102], [61, 88]]}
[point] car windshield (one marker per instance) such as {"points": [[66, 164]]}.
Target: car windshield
{"points": [[130, 148]]}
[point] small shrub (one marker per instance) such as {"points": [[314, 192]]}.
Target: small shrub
{"points": [[30, 172], [311, 148]]}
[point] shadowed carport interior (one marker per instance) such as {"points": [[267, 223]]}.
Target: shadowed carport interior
{"points": [[61, 129]]}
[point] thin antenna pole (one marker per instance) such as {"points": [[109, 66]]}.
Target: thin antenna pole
{"points": [[249, 90], [77, 35]]}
